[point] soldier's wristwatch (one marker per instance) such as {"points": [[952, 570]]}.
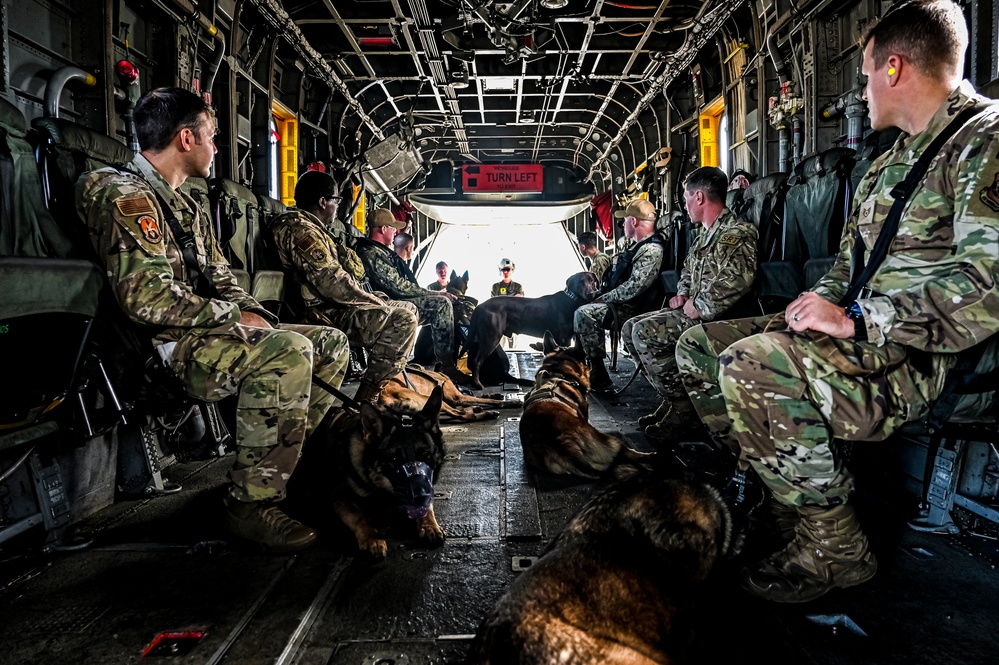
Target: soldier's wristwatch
{"points": [[859, 324]]}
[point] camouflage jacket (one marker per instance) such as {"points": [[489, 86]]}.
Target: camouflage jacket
{"points": [[144, 263], [599, 264], [387, 271], [645, 268], [720, 266], [309, 253], [936, 289]]}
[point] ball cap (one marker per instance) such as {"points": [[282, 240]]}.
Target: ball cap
{"points": [[506, 263], [384, 217], [639, 209]]}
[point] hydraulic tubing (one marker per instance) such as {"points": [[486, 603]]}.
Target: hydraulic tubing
{"points": [[53, 91], [211, 31]]}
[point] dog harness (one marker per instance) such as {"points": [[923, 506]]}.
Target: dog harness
{"points": [[549, 387]]}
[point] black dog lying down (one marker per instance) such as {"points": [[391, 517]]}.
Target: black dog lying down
{"points": [[374, 467], [553, 313], [617, 585]]}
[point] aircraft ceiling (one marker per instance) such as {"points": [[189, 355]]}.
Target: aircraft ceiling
{"points": [[524, 81]]}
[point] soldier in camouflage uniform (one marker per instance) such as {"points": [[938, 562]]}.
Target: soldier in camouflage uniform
{"points": [[628, 290], [225, 343], [389, 273], [718, 271], [599, 261], [330, 294], [783, 390]]}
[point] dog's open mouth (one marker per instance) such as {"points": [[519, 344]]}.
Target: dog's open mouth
{"points": [[414, 487]]}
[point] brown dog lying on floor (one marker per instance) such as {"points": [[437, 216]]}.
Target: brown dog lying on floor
{"points": [[555, 430], [617, 585], [408, 391], [553, 313], [375, 467]]}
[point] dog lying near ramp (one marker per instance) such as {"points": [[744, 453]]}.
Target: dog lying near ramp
{"points": [[375, 466], [617, 585], [555, 431], [553, 313], [408, 392]]}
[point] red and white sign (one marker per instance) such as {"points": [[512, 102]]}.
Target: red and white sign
{"points": [[527, 178]]}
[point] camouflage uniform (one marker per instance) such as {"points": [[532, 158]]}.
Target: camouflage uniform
{"points": [[718, 271], [334, 298], [215, 356], [599, 263], [589, 320], [781, 397], [390, 274]]}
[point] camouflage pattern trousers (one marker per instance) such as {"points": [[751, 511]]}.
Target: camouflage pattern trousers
{"points": [[388, 333], [779, 400], [437, 312], [590, 321], [271, 372], [651, 340]]}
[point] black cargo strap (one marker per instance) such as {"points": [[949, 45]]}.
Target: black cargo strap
{"points": [[861, 274], [348, 402], [201, 284]]}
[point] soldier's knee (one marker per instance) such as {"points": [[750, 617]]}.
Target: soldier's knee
{"points": [[331, 343]]}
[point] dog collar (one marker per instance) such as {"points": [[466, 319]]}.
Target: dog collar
{"points": [[572, 296]]}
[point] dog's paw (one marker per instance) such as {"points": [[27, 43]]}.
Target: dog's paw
{"points": [[430, 532], [376, 547]]}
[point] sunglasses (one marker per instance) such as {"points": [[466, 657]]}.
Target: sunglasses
{"points": [[335, 199], [504, 270]]}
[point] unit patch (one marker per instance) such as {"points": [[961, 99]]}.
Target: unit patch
{"points": [[729, 239], [135, 205], [150, 229], [990, 194], [318, 255]]}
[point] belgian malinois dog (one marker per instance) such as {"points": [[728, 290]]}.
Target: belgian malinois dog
{"points": [[409, 391], [617, 585], [555, 430], [377, 466]]}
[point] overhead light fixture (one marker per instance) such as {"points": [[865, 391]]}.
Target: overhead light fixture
{"points": [[554, 4], [499, 83]]}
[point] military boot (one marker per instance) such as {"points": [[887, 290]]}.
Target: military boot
{"points": [[265, 524], [783, 518], [679, 419], [828, 551], [451, 371], [600, 380], [656, 415], [368, 391]]}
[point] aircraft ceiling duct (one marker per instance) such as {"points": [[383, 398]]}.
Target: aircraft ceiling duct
{"points": [[389, 165]]}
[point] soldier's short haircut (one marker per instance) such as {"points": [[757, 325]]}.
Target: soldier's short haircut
{"points": [[440, 264], [312, 186], [161, 113], [402, 239], [708, 179], [587, 239], [930, 34]]}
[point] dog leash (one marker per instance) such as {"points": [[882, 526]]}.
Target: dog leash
{"points": [[348, 402]]}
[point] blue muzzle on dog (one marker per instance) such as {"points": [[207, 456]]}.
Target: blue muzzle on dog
{"points": [[414, 487]]}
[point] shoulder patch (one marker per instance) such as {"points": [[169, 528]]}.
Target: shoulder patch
{"points": [[135, 205], [150, 229], [729, 239], [990, 195]]}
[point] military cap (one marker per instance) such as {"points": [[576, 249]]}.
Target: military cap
{"points": [[384, 217], [639, 209]]}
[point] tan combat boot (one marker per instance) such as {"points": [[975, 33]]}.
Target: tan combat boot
{"points": [[784, 519], [600, 380], [265, 524], [656, 415], [828, 551], [679, 419]]}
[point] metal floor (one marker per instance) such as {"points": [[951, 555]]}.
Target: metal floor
{"points": [[164, 564]]}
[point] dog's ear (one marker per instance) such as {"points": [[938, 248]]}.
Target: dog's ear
{"points": [[549, 345], [465, 277], [576, 350], [454, 275], [371, 421], [432, 409]]}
